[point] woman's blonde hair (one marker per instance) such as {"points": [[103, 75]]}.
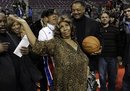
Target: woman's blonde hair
{"points": [[10, 23]]}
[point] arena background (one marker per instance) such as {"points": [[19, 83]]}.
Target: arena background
{"points": [[63, 6]]}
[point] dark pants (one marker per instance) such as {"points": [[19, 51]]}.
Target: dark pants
{"points": [[43, 84], [107, 71]]}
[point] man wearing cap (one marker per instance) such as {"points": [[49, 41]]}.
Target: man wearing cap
{"points": [[47, 33], [38, 60], [38, 25]]}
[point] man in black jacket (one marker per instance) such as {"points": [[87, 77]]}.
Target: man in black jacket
{"points": [[85, 27], [126, 48], [7, 70]]}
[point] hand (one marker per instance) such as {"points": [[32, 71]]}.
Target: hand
{"points": [[18, 19], [97, 52], [4, 46], [24, 50]]}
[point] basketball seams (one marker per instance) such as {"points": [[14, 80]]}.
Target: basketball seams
{"points": [[95, 39], [91, 44], [90, 47]]}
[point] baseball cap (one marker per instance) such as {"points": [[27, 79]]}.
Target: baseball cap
{"points": [[50, 12]]}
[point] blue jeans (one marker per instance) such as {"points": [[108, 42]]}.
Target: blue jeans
{"points": [[107, 71]]}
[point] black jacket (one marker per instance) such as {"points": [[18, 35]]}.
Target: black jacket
{"points": [[7, 69], [87, 27], [36, 27], [126, 44], [26, 74]]}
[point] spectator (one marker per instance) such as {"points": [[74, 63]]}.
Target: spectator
{"points": [[126, 48], [6, 63], [30, 15], [52, 16], [114, 21], [38, 25], [70, 63], [19, 11], [85, 27], [110, 52], [47, 33], [23, 5], [31, 75], [16, 73]]}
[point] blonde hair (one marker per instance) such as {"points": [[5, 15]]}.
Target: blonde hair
{"points": [[10, 23]]}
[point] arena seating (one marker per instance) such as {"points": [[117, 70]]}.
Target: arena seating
{"points": [[64, 4], [61, 5], [7, 3]]}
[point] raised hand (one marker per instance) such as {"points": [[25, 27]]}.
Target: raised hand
{"points": [[18, 19], [26, 28]]}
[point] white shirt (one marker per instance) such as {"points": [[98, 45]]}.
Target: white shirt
{"points": [[46, 33]]}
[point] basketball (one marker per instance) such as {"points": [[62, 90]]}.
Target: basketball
{"points": [[91, 44]]}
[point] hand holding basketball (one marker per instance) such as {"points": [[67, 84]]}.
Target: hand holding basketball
{"points": [[91, 45]]}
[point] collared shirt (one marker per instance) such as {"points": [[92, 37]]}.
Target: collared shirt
{"points": [[46, 33]]}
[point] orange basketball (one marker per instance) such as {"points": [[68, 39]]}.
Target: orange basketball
{"points": [[91, 44]]}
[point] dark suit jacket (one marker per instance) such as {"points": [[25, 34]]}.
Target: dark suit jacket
{"points": [[7, 69], [87, 27]]}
